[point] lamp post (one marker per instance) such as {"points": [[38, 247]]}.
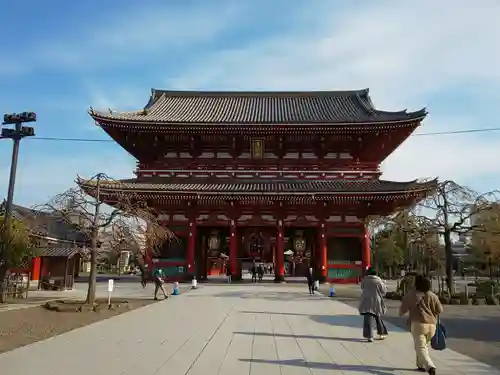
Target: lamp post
{"points": [[16, 134]]}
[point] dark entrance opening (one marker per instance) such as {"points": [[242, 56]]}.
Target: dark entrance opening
{"points": [[256, 244], [300, 250], [212, 252]]}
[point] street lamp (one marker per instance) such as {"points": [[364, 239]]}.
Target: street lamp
{"points": [[16, 134]]}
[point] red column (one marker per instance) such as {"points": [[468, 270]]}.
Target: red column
{"points": [[36, 264], [323, 254], [366, 249], [280, 254], [233, 250], [191, 249]]}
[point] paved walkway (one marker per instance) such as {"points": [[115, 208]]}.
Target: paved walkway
{"points": [[229, 330]]}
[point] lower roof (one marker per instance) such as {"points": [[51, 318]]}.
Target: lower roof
{"points": [[261, 186], [66, 252]]}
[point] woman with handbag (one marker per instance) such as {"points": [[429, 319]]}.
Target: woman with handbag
{"points": [[424, 308], [372, 305]]}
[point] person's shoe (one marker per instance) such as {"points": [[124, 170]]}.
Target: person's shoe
{"points": [[432, 371], [421, 369], [156, 298], [370, 340], [381, 337]]}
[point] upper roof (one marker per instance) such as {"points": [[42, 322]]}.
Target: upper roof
{"points": [[259, 107]]}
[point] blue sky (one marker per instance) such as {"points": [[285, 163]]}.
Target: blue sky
{"points": [[60, 57]]}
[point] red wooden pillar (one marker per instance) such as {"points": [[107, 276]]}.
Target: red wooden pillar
{"points": [[366, 249], [190, 256], [279, 267], [36, 265], [323, 254], [233, 250]]}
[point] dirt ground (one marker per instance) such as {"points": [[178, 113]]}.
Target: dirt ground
{"points": [[26, 326]]}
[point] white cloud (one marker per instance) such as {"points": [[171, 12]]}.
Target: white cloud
{"points": [[126, 36], [402, 50], [39, 178], [406, 52]]}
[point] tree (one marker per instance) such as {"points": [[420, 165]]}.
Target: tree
{"points": [[451, 211], [127, 215], [485, 243], [120, 238], [15, 249], [406, 238], [388, 252]]}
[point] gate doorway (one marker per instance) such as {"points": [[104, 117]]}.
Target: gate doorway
{"points": [[212, 249]]}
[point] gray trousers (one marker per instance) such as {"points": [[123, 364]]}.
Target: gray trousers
{"points": [[159, 286], [368, 326]]}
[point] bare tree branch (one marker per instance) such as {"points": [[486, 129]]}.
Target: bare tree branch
{"points": [[453, 209], [125, 214]]}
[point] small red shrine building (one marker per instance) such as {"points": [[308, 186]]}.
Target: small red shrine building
{"points": [[278, 177]]}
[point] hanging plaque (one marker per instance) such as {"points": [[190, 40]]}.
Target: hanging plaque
{"points": [[257, 148], [299, 243], [214, 241]]}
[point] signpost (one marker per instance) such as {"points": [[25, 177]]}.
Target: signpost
{"points": [[111, 286]]}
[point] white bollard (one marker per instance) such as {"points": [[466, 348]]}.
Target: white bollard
{"points": [[194, 283]]}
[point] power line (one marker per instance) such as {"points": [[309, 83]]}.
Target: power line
{"points": [[466, 131], [452, 132]]}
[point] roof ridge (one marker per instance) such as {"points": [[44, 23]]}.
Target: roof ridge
{"points": [[158, 93]]}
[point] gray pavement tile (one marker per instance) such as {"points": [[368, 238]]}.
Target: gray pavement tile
{"points": [[237, 329]]}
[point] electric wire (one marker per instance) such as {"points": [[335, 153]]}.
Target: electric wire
{"points": [[451, 132]]}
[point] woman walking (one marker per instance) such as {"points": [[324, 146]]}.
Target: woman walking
{"points": [[372, 305], [424, 309]]}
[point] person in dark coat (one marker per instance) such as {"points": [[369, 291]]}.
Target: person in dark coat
{"points": [[228, 274], [253, 270], [310, 280], [260, 272], [144, 275]]}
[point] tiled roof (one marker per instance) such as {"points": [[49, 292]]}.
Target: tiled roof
{"points": [[312, 107], [165, 185], [47, 224], [66, 252]]}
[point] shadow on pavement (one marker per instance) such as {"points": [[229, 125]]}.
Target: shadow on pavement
{"points": [[353, 321], [260, 294], [377, 370], [268, 334], [474, 324]]}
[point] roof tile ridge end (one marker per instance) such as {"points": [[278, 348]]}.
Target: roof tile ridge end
{"points": [[364, 99]]}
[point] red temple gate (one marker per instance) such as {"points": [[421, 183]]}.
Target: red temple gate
{"points": [[287, 176]]}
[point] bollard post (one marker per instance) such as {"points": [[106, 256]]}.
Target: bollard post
{"points": [[175, 291], [111, 286], [332, 291], [194, 283]]}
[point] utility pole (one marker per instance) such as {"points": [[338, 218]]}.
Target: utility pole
{"points": [[16, 134]]}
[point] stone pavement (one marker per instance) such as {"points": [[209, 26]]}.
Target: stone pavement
{"points": [[249, 329], [127, 290]]}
